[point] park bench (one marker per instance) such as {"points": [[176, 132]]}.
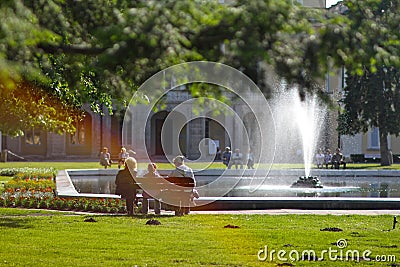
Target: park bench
{"points": [[174, 192], [114, 158]]}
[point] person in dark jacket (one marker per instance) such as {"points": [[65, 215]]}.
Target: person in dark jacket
{"points": [[126, 186], [338, 159], [226, 157]]}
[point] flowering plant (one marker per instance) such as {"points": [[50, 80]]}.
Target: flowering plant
{"points": [[35, 189]]}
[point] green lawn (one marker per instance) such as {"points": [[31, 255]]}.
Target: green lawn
{"points": [[165, 166], [50, 238], [44, 238]]}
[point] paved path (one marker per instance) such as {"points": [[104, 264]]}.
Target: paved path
{"points": [[244, 212], [302, 212]]}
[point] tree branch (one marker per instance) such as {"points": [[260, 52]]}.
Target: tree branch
{"points": [[72, 49]]}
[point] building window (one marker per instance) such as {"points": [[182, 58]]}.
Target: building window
{"points": [[78, 138], [207, 128], [374, 141], [373, 138], [33, 138]]}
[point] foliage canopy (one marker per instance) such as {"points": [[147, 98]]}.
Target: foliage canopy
{"points": [[61, 54], [372, 92]]}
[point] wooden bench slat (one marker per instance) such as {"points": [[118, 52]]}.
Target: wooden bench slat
{"points": [[178, 189]]}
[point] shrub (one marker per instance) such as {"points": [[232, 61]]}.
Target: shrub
{"points": [[396, 158], [43, 204], [34, 188], [357, 158]]}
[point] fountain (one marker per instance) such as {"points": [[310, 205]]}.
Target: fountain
{"points": [[307, 182], [298, 122], [307, 116]]}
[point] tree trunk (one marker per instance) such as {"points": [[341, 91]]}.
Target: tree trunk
{"points": [[385, 155]]}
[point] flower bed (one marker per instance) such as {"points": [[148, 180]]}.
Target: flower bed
{"points": [[34, 188], [29, 172]]}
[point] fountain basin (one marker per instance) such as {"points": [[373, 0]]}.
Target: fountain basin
{"points": [[350, 189], [326, 203]]}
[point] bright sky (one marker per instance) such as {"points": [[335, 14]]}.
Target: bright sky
{"points": [[331, 2]]}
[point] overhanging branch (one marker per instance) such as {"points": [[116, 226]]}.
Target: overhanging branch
{"points": [[72, 49]]}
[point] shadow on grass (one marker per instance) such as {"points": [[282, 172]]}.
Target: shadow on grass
{"points": [[13, 222]]}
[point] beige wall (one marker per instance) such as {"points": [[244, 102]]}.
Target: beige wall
{"points": [[306, 3], [314, 3], [395, 144]]}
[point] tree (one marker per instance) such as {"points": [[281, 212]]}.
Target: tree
{"points": [[371, 96], [100, 51], [28, 106], [372, 100], [23, 103], [280, 33], [97, 52]]}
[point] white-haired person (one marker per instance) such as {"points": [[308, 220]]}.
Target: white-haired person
{"points": [[237, 159], [181, 170], [126, 185], [122, 156]]}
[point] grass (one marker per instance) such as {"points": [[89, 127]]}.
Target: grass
{"points": [[50, 238], [44, 238], [166, 166], [61, 165]]}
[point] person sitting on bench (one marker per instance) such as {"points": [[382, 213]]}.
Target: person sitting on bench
{"points": [[338, 159], [126, 185], [181, 170], [327, 158], [237, 159], [122, 156], [152, 173], [105, 158]]}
